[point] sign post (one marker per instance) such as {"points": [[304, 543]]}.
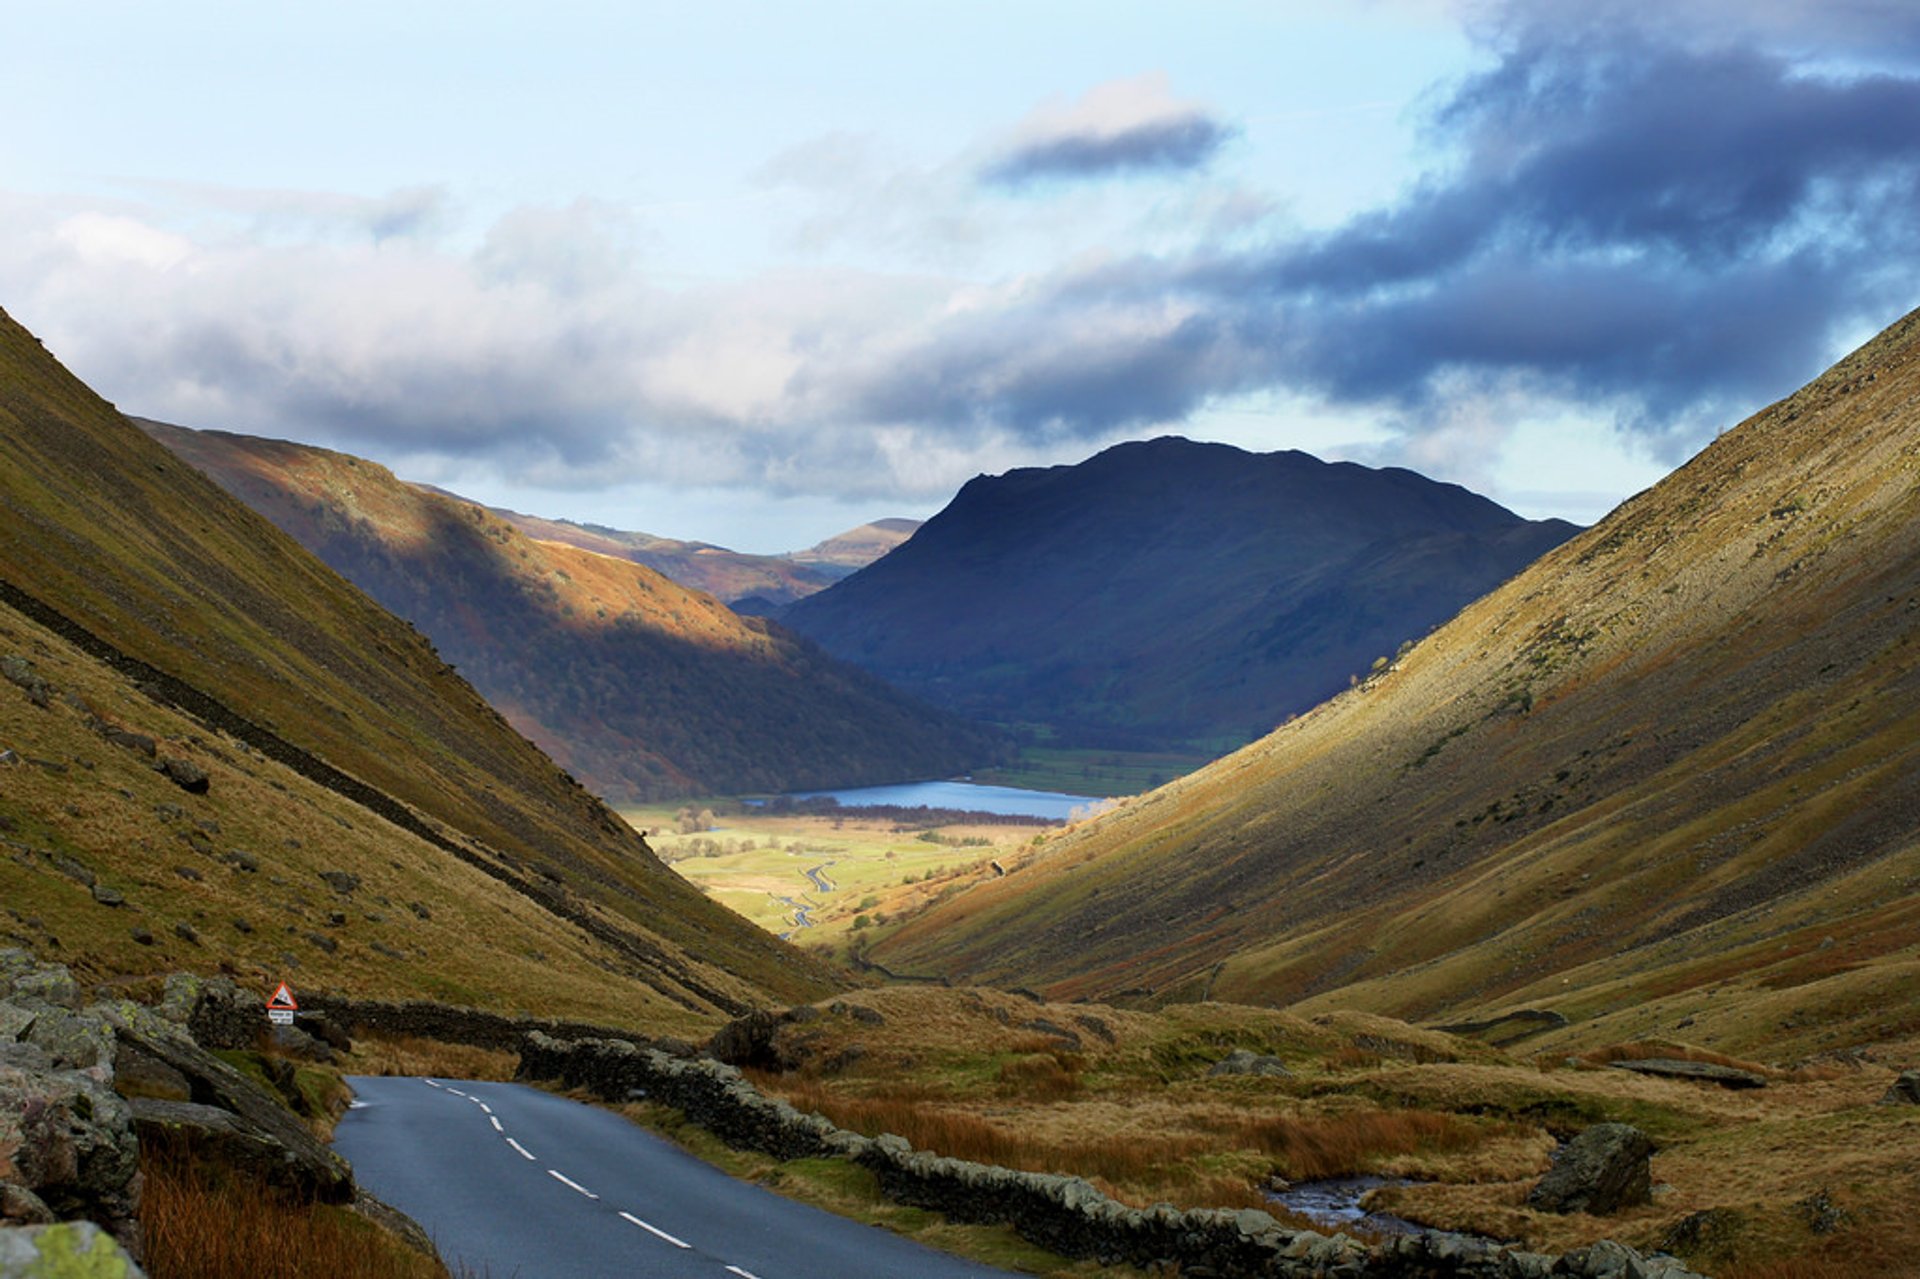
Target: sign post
{"points": [[281, 1006]]}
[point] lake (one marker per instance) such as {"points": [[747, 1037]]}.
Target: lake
{"points": [[968, 796]]}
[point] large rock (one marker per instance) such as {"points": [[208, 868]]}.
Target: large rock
{"points": [[224, 1138], [1905, 1090], [212, 1082], [749, 1041], [67, 1140], [66, 1250], [1602, 1170], [1698, 1071], [1241, 1061]]}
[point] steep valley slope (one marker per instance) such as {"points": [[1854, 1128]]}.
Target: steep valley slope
{"points": [[340, 809], [642, 688], [1168, 594], [1668, 777]]}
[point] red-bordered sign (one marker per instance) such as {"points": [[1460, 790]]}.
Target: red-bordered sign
{"points": [[282, 998]]}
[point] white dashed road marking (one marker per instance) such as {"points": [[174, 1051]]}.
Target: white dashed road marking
{"points": [[569, 1182], [655, 1230]]}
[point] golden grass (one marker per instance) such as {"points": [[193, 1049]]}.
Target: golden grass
{"points": [[1310, 1149], [201, 1227], [966, 1073], [411, 1055]]}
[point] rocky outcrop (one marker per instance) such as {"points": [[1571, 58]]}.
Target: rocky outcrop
{"points": [[1905, 1090], [65, 1250], [277, 1144], [1602, 1170], [1066, 1214], [80, 1086], [1699, 1071], [1242, 1061], [67, 1147]]}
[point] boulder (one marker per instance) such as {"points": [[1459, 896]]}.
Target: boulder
{"points": [[68, 1141], [212, 1082], [21, 1207], [1602, 1170], [65, 1250], [138, 1074], [1905, 1090], [224, 1138], [748, 1041], [1241, 1061], [185, 774], [216, 1012], [1701, 1071]]}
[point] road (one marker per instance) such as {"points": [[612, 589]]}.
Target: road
{"points": [[511, 1181]]}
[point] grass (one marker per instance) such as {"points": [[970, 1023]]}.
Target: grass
{"points": [[418, 923], [199, 1225], [1691, 824], [1131, 1107], [411, 1055], [756, 864], [281, 657]]}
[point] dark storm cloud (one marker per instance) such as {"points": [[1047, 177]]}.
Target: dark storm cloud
{"points": [[1673, 231], [1122, 126], [1181, 143]]}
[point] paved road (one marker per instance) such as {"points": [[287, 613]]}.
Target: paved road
{"points": [[511, 1181]]}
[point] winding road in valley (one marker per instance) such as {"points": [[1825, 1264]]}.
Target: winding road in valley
{"points": [[512, 1181]]}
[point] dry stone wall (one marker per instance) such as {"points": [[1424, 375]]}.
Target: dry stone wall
{"points": [[1066, 1214]]}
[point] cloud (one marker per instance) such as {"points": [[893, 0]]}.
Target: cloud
{"points": [[1665, 227], [1123, 126]]}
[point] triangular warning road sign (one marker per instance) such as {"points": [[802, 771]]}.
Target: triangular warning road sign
{"points": [[282, 998]]}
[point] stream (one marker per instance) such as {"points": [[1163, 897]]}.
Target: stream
{"points": [[1335, 1203]]}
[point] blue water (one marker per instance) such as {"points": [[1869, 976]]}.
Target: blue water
{"points": [[963, 795]]}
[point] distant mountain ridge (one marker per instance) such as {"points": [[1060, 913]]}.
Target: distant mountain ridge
{"points": [[1164, 592], [643, 688], [856, 548], [758, 584]]}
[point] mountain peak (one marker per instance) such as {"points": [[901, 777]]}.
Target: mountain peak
{"points": [[1168, 591]]}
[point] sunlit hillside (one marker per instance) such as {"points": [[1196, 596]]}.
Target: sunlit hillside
{"points": [[1664, 778]]}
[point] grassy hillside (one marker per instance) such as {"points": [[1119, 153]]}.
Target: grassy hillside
{"points": [[156, 606], [642, 688], [1663, 780], [1167, 593]]}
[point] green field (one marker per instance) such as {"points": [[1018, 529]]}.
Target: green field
{"points": [[874, 867]]}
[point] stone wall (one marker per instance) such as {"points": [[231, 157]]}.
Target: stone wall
{"points": [[1065, 1214], [453, 1025]]}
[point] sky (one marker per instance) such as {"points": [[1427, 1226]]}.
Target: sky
{"points": [[753, 273]]}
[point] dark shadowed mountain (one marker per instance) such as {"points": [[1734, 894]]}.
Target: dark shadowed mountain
{"points": [[1168, 592], [641, 687]]}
